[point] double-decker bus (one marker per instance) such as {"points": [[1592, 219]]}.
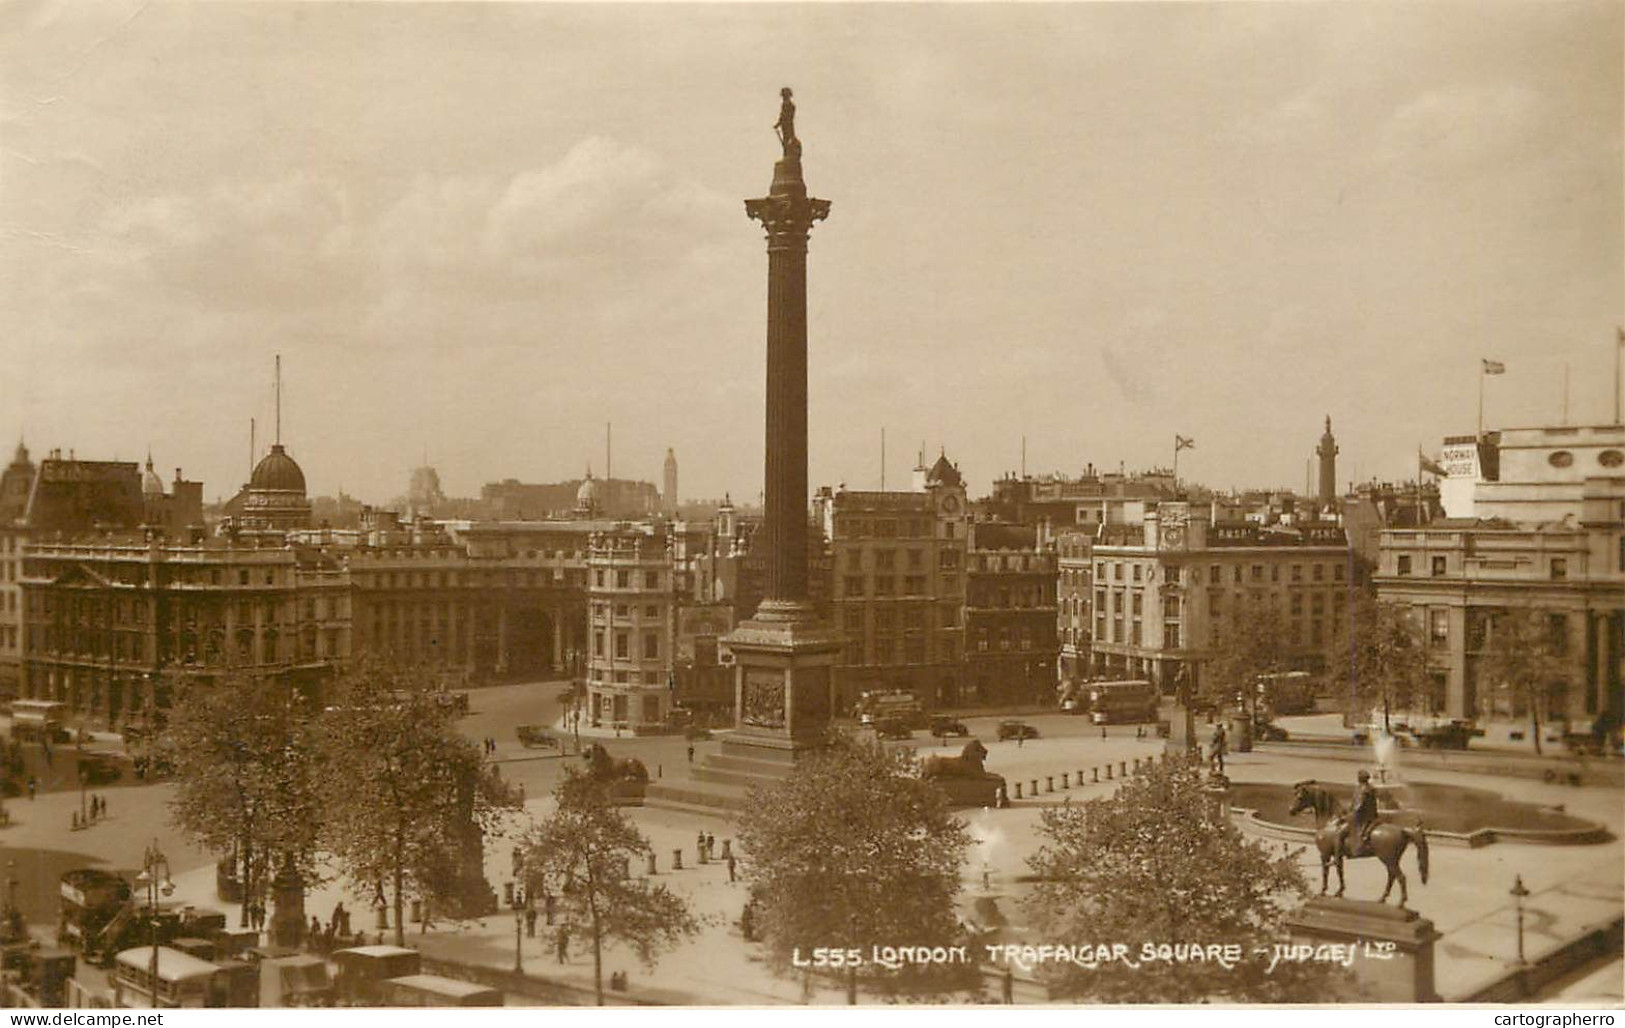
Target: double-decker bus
{"points": [[1286, 692], [898, 705], [1122, 702]]}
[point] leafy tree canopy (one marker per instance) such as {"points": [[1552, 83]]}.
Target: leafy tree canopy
{"points": [[1152, 864]]}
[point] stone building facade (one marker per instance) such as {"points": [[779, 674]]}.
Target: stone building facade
{"points": [[1074, 593], [1164, 590], [631, 608], [898, 586], [1011, 646], [1549, 534]]}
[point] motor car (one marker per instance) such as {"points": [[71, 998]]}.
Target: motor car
{"points": [[1016, 730], [1268, 731], [893, 729], [942, 727], [99, 769], [531, 736]]}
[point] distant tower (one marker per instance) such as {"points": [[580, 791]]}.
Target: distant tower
{"points": [[668, 498], [1327, 452]]}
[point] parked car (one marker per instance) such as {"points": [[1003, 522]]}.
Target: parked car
{"points": [[893, 729], [1016, 730], [531, 736], [942, 727]]}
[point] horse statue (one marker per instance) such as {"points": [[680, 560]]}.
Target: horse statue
{"points": [[969, 763], [603, 767], [1387, 843]]}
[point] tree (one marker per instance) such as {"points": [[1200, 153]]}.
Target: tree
{"points": [[1253, 641], [1153, 865], [1381, 656], [1525, 655], [408, 798], [246, 768], [854, 850], [583, 852]]}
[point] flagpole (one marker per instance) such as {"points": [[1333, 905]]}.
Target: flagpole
{"points": [[1483, 373], [1618, 350], [1176, 459]]}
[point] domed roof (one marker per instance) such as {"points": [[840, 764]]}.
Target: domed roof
{"points": [[151, 484], [587, 495], [278, 471]]}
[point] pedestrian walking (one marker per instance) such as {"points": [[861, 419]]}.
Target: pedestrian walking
{"points": [[562, 943], [1021, 740], [710, 846], [732, 861], [530, 923], [691, 753], [33, 786]]}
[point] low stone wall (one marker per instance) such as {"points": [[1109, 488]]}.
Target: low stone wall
{"points": [[1517, 985]]}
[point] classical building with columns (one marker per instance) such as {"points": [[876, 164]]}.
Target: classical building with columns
{"points": [[109, 624], [1547, 533]]}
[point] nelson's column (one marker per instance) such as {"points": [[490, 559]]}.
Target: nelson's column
{"points": [[784, 653]]}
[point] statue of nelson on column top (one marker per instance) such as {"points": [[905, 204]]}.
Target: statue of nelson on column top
{"points": [[786, 126]]}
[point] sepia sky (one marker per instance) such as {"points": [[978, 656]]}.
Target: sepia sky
{"points": [[482, 231]]}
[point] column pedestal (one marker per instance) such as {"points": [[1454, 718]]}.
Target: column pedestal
{"points": [[783, 691]]}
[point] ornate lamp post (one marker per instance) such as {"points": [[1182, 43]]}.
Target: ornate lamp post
{"points": [[1518, 894], [148, 878]]}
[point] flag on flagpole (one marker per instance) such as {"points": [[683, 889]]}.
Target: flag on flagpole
{"points": [[1428, 466], [1181, 443], [1494, 367]]}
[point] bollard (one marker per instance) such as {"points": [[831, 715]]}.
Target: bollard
{"points": [[1049, 783], [1095, 771], [1122, 768], [1108, 772], [652, 870], [1064, 783], [660, 770], [1018, 790], [676, 860]]}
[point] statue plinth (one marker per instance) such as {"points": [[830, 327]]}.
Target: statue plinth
{"points": [[1393, 960]]}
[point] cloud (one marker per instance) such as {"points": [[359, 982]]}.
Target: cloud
{"points": [[242, 245]]}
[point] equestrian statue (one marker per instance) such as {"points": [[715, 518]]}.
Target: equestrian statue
{"points": [[1342, 836]]}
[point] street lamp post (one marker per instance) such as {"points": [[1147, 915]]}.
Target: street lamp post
{"points": [[150, 863], [518, 904], [1518, 894]]}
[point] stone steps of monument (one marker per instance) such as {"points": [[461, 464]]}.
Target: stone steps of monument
{"points": [[717, 799], [736, 777], [746, 765]]}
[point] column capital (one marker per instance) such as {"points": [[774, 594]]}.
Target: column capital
{"points": [[787, 218]]}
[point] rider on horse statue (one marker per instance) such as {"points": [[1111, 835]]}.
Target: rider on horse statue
{"points": [[1357, 833]]}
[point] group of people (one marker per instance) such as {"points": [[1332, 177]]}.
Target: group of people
{"points": [[489, 744], [335, 934]]}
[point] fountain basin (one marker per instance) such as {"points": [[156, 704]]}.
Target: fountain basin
{"points": [[1453, 814]]}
